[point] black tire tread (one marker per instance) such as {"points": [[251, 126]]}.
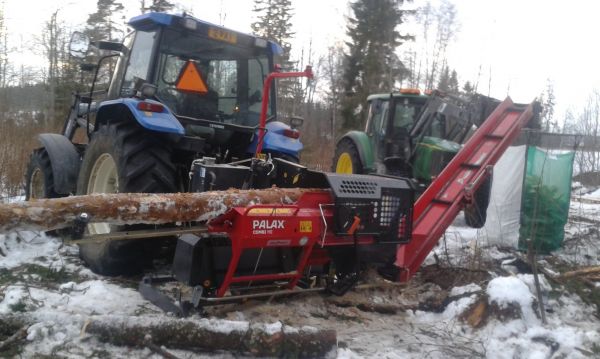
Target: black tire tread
{"points": [[348, 146], [144, 165], [40, 159]]}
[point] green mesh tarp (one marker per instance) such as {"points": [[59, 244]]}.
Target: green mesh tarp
{"points": [[545, 200], [431, 156]]}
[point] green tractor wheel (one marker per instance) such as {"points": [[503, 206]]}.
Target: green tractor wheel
{"points": [[347, 159]]}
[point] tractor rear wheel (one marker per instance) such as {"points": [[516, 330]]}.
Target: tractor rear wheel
{"points": [[123, 158], [476, 212], [39, 179], [347, 159]]}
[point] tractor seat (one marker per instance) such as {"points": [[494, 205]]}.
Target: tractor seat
{"points": [[200, 106]]}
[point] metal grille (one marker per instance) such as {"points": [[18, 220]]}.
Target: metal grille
{"points": [[358, 187], [383, 204]]}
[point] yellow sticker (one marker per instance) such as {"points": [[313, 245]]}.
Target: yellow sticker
{"points": [[271, 211], [305, 226], [222, 35], [261, 156]]}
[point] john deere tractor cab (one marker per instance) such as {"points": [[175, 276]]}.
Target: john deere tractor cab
{"points": [[409, 134]]}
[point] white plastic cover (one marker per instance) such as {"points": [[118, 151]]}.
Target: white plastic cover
{"points": [[504, 211]]}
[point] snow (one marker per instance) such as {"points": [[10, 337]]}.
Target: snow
{"points": [[469, 288], [595, 194], [508, 290], [25, 247], [60, 310]]}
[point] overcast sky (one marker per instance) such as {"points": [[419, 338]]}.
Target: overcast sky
{"points": [[519, 43]]}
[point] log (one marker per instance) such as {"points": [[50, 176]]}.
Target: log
{"points": [[209, 335], [581, 272], [137, 208]]}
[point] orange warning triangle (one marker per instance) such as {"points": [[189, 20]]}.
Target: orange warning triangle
{"points": [[190, 80]]}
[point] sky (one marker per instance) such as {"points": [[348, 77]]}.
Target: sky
{"points": [[519, 44]]}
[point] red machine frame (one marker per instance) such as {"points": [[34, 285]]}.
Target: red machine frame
{"points": [[306, 224]]}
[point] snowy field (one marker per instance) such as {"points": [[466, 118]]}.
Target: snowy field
{"points": [[44, 280]]}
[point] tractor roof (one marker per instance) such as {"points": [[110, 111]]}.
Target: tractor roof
{"points": [[153, 20], [386, 96]]}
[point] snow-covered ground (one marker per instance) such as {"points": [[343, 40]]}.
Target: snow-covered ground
{"points": [[44, 279]]}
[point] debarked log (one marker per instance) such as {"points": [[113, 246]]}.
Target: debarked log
{"points": [[273, 340], [137, 208]]}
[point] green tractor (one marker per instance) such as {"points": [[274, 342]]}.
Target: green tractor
{"points": [[415, 135]]}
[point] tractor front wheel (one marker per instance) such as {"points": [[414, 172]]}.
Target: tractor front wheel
{"points": [[347, 159], [123, 158], [39, 178]]}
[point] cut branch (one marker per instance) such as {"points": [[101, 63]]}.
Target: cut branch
{"points": [[18, 335], [134, 208]]}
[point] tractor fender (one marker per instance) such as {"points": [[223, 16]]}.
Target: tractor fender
{"points": [[363, 146], [64, 159], [125, 108], [276, 141]]}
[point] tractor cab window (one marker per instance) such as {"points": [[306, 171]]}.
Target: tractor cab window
{"points": [[139, 61], [437, 127], [231, 78], [378, 113], [404, 115], [376, 125]]}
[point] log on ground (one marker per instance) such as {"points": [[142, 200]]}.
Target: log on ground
{"points": [[581, 272], [211, 335], [137, 208]]}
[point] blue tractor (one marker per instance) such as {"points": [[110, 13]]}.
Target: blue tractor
{"points": [[182, 91]]}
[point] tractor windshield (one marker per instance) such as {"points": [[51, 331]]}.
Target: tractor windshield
{"points": [[212, 80]]}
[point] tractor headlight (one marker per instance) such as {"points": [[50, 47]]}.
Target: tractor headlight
{"points": [[258, 42], [190, 24]]}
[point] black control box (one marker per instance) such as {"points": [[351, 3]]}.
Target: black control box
{"points": [[217, 177]]}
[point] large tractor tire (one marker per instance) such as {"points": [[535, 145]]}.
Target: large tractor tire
{"points": [[347, 159], [476, 213], [39, 179], [123, 158]]}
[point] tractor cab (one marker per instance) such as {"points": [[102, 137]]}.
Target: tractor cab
{"points": [[209, 77], [414, 135], [406, 128], [199, 82]]}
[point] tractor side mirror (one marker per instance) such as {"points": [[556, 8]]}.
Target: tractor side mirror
{"points": [[296, 122], [79, 45]]}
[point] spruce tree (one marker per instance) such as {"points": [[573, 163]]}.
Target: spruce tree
{"points": [[453, 86], [371, 63], [468, 88], [274, 23], [444, 81], [160, 6], [107, 21]]}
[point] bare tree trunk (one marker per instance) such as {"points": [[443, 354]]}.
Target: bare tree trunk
{"points": [[206, 335], [131, 208], [272, 340]]}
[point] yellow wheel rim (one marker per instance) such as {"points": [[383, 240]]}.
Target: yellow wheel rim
{"points": [[344, 164]]}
